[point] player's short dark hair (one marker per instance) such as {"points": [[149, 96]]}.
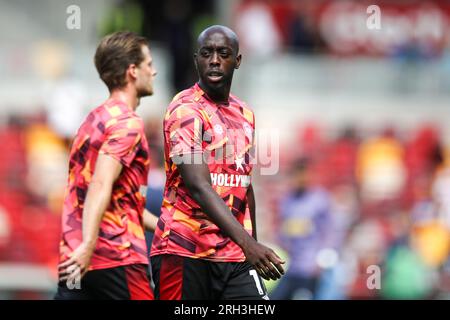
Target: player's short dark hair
{"points": [[115, 53]]}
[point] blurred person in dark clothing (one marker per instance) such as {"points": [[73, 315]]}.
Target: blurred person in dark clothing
{"points": [[305, 222], [173, 22], [156, 175], [304, 35], [178, 28]]}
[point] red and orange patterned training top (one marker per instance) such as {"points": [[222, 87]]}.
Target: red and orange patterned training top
{"points": [[112, 129], [223, 134]]}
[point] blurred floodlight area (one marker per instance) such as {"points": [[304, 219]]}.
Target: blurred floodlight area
{"points": [[352, 117]]}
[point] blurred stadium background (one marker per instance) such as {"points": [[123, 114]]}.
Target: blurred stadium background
{"points": [[367, 108]]}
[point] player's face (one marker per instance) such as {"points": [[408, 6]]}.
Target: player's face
{"points": [[216, 60], [145, 73], [302, 178]]}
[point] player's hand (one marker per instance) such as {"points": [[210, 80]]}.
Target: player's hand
{"points": [[77, 265], [266, 262]]}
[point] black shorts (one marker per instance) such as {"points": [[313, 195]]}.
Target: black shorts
{"points": [[130, 282], [181, 278]]}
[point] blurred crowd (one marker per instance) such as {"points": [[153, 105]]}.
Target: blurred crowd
{"points": [[362, 215]]}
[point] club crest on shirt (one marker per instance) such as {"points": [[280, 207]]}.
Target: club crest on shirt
{"points": [[247, 129], [218, 129]]}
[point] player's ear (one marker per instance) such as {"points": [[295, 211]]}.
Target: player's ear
{"points": [[132, 70], [238, 61], [195, 61]]}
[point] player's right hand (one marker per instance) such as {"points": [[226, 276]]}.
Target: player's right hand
{"points": [[77, 265], [266, 262]]}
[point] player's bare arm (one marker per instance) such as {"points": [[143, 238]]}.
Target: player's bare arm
{"points": [[252, 207], [198, 181], [107, 170], [150, 221]]}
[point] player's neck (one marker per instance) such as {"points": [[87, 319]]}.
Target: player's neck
{"points": [[217, 95], [126, 95]]}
